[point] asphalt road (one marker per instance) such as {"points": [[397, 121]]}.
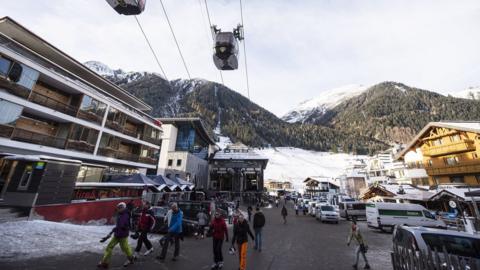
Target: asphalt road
{"points": [[303, 243]]}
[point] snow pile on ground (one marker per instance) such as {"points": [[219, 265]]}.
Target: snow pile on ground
{"points": [[295, 164], [33, 239]]}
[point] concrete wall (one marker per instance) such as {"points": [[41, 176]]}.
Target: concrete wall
{"points": [[169, 140]]}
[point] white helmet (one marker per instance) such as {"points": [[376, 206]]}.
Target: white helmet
{"points": [[122, 205]]}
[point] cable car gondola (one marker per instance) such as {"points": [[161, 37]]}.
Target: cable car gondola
{"points": [[127, 7], [225, 55]]}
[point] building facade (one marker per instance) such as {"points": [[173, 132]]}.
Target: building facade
{"points": [[51, 104], [449, 152], [186, 148]]}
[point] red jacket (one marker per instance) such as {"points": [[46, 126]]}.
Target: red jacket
{"points": [[147, 220], [219, 228]]}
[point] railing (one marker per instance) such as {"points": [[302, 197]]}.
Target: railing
{"points": [[37, 138], [456, 147], [52, 103], [14, 88], [130, 132], [127, 156], [89, 116], [6, 131], [408, 258], [80, 146], [114, 125], [463, 167], [147, 160], [151, 140], [107, 152]]}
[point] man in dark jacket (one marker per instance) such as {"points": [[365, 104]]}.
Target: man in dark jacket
{"points": [[284, 214], [120, 236], [218, 228], [241, 230], [258, 223], [145, 225], [249, 212], [175, 224]]}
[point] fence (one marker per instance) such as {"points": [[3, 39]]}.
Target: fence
{"points": [[407, 258]]}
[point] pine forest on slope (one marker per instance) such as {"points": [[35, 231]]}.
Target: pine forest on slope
{"points": [[362, 123]]}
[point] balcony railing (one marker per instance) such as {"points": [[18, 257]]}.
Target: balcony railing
{"points": [[89, 116], [6, 131], [151, 140], [37, 138], [461, 168], [52, 104], [127, 156], [80, 146], [114, 125], [14, 88], [107, 152], [147, 160], [130, 132], [456, 147]]}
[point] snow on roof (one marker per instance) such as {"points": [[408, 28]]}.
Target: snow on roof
{"points": [[455, 191], [241, 154]]}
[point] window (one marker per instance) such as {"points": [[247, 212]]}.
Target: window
{"points": [[29, 77], [455, 245], [179, 162], [9, 112], [427, 214], [91, 105], [457, 179], [450, 160], [430, 163], [26, 177], [437, 142], [83, 134], [474, 155], [170, 162], [455, 138], [436, 179], [4, 66]]}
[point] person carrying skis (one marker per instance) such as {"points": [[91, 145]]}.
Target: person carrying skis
{"points": [[284, 214], [145, 225], [258, 223], [120, 236], [362, 245], [175, 221], [218, 228], [241, 230]]}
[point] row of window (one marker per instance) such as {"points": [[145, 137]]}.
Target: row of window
{"points": [[170, 162], [456, 179], [454, 160], [453, 138]]}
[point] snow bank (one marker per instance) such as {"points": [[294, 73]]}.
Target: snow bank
{"points": [[33, 239]]}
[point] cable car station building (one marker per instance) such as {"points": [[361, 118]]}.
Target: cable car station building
{"points": [[237, 169], [52, 105]]}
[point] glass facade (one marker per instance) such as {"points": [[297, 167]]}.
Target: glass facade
{"points": [[9, 112]]}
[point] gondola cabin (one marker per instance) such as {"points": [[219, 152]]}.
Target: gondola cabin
{"points": [[127, 7], [225, 54]]}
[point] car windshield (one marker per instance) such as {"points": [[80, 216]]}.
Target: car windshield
{"points": [[327, 208], [456, 245]]}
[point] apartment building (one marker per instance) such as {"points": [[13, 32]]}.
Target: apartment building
{"points": [[51, 104], [449, 152]]}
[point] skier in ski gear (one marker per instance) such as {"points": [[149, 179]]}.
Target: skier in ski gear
{"points": [[120, 236], [241, 230], [174, 232], [218, 229], [258, 223], [145, 225], [362, 245]]}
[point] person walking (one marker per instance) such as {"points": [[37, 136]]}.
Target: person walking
{"points": [[249, 212], [362, 245], [241, 230], [218, 229], [145, 225], [258, 223], [202, 219], [230, 214], [277, 201], [120, 236], [296, 209], [174, 231], [284, 214]]}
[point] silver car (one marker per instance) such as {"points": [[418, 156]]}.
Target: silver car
{"points": [[327, 213]]}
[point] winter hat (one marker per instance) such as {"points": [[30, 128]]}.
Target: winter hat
{"points": [[122, 205]]}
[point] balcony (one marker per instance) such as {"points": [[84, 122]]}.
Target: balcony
{"points": [[130, 131], [37, 138], [147, 160], [89, 116], [466, 167], [52, 104], [114, 125], [107, 152], [451, 148], [127, 156], [80, 146], [6, 131], [14, 88]]}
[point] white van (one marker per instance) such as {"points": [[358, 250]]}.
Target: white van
{"points": [[387, 215], [354, 209]]}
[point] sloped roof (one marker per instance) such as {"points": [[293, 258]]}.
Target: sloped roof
{"points": [[471, 126], [454, 192], [196, 122]]}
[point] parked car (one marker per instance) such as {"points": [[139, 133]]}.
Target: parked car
{"points": [[460, 244], [189, 225], [387, 215], [352, 209], [327, 213]]}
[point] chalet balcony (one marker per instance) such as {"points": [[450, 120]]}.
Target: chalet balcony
{"points": [[37, 138], [14, 88], [151, 140], [52, 103], [89, 116], [107, 152], [147, 160], [80, 146], [466, 167], [130, 132], [127, 156], [114, 125], [6, 131], [451, 148]]}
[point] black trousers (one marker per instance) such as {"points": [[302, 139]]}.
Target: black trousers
{"points": [[143, 239], [217, 250], [176, 239]]}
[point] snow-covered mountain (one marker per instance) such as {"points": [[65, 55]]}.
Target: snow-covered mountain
{"points": [[117, 76], [321, 104], [469, 93]]}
